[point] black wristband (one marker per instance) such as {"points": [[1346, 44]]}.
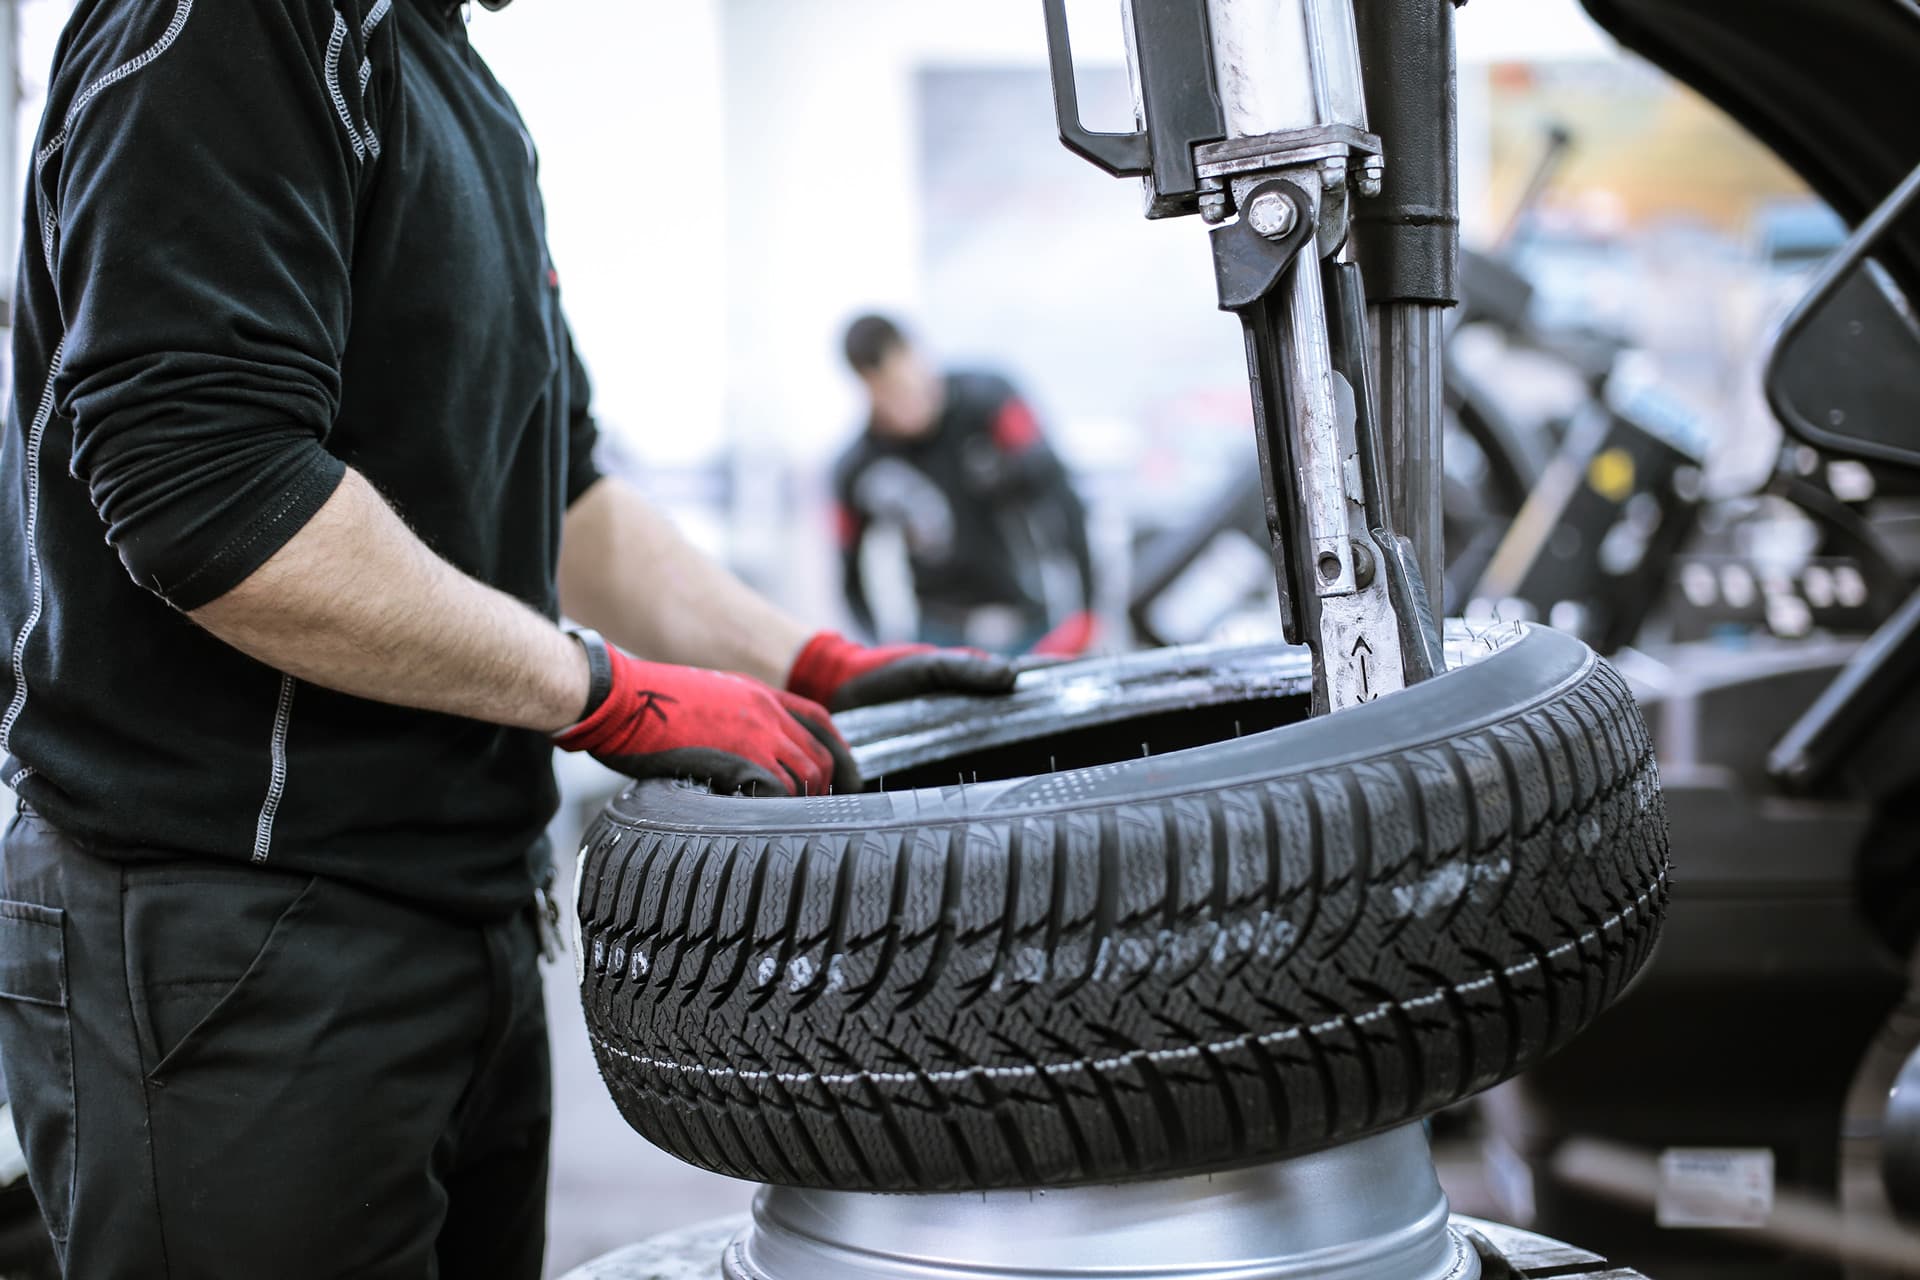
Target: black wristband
{"points": [[599, 669]]}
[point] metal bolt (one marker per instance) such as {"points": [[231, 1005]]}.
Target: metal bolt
{"points": [[1329, 566], [1272, 215], [1362, 564], [1213, 207], [1333, 173], [1373, 177]]}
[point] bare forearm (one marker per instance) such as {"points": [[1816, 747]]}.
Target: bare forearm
{"points": [[627, 572], [355, 602]]}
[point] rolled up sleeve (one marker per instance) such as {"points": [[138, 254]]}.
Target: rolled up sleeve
{"points": [[203, 211]]}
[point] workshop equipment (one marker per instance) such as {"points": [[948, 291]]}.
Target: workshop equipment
{"points": [[1254, 114], [1595, 541], [1745, 1031]]}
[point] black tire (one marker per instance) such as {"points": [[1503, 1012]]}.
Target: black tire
{"points": [[1219, 955]]}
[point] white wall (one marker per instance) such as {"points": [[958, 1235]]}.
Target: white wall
{"points": [[1504, 30], [821, 161], [624, 101]]}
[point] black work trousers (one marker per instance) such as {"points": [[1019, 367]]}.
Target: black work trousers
{"points": [[221, 1070]]}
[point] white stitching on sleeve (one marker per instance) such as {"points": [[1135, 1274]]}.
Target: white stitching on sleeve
{"points": [[113, 77], [35, 435], [374, 17], [49, 223], [277, 776], [335, 43]]}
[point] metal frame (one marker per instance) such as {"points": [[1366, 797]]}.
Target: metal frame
{"points": [[1168, 61], [1254, 113], [1826, 287]]}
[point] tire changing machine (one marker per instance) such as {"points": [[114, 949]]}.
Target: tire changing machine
{"points": [[1254, 115]]}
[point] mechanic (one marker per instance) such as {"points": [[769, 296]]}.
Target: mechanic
{"points": [[958, 465], [289, 337]]}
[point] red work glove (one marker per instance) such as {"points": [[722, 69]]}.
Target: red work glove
{"points": [[835, 672], [1070, 639], [654, 720]]}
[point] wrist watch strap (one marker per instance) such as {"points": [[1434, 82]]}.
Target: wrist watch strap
{"points": [[599, 669]]}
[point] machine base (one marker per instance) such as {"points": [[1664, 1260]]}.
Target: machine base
{"points": [[1369, 1210], [693, 1254]]}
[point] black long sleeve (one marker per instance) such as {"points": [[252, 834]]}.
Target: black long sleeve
{"points": [[850, 532], [1070, 514], [1027, 472], [268, 240], [199, 221]]}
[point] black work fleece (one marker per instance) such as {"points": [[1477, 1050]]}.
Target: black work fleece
{"points": [[268, 240]]}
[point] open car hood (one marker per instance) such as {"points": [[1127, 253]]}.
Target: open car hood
{"points": [[1830, 86]]}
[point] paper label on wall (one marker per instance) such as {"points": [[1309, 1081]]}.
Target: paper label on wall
{"points": [[1715, 1187]]}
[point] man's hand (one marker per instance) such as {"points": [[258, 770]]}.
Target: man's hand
{"points": [[656, 720], [835, 672]]}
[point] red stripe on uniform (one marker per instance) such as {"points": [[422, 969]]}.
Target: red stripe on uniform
{"points": [[846, 526], [1016, 429]]}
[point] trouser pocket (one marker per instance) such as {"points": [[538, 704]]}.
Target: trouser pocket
{"points": [[201, 944], [36, 1051]]}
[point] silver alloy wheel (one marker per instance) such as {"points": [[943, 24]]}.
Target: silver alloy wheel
{"points": [[1367, 1210]]}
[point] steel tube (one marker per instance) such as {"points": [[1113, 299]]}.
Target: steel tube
{"points": [[1262, 67], [1316, 433], [1407, 241], [1410, 355]]}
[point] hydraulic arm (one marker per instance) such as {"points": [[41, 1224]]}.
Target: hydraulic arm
{"points": [[1253, 114]]}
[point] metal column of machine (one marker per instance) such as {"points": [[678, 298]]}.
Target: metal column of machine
{"points": [[1253, 114], [1407, 240]]}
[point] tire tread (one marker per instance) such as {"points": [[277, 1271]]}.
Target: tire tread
{"points": [[1137, 989]]}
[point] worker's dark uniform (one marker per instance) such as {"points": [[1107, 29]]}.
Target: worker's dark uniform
{"points": [[269, 1003], [980, 501]]}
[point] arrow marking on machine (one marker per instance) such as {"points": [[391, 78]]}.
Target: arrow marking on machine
{"points": [[1361, 646]]}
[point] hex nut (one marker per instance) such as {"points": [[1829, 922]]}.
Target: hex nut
{"points": [[1272, 215]]}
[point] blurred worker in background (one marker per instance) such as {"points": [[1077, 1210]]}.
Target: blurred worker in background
{"points": [[956, 462]]}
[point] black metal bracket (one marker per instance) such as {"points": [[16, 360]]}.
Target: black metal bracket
{"points": [[1124, 155], [1247, 266], [1862, 700], [1848, 723], [1174, 54], [1840, 273]]}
